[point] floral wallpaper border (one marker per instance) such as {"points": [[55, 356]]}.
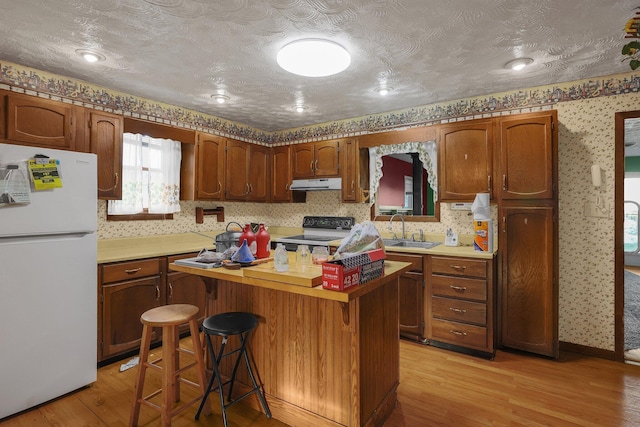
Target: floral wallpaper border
{"points": [[29, 79]]}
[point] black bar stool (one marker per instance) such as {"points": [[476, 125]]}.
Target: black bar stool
{"points": [[226, 325]]}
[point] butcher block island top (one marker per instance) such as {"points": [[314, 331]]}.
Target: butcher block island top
{"points": [[325, 358]]}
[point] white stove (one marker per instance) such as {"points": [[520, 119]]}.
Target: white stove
{"points": [[319, 231]]}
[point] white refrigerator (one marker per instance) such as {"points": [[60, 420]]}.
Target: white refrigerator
{"points": [[48, 275]]}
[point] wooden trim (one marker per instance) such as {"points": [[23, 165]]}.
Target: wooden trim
{"points": [[138, 217], [417, 134], [157, 130], [619, 232], [588, 351]]}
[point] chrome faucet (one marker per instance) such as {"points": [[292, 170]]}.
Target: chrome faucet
{"points": [[391, 223]]}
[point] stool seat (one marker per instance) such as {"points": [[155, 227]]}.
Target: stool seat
{"points": [[169, 318], [232, 323], [172, 314], [225, 325]]}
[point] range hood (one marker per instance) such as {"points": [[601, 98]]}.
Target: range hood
{"points": [[316, 184]]}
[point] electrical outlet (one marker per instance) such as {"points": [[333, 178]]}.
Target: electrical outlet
{"points": [[595, 209]]}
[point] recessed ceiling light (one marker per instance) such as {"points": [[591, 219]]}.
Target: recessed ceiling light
{"points": [[300, 108], [90, 55], [518, 64], [383, 90], [220, 99], [313, 58]]}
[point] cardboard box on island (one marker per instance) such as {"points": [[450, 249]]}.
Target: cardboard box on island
{"points": [[353, 270]]}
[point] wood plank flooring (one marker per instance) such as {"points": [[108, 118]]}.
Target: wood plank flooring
{"points": [[437, 388]]}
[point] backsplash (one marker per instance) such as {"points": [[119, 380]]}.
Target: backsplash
{"points": [[279, 214]]}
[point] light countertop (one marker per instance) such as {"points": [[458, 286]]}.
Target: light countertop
{"points": [[130, 248]]}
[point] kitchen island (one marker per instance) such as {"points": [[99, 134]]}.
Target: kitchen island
{"points": [[325, 358]]}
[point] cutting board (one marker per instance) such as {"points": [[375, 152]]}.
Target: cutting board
{"points": [[308, 275]]}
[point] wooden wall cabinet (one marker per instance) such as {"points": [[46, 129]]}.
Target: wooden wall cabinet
{"points": [[247, 172], [31, 120], [105, 140], [461, 303], [202, 168], [126, 290], [411, 296], [466, 160], [526, 156], [316, 159], [355, 172]]}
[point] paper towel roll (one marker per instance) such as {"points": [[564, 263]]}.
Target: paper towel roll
{"points": [[481, 206]]}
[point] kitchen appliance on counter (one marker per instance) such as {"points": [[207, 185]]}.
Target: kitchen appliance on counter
{"points": [[48, 253], [318, 231]]}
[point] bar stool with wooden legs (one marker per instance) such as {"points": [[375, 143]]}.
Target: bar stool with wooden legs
{"points": [[225, 325], [169, 317]]}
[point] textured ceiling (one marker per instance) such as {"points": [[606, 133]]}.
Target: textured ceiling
{"points": [[181, 52]]}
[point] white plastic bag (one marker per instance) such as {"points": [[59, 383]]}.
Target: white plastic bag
{"points": [[363, 237]]}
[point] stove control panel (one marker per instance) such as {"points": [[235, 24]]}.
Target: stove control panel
{"points": [[329, 222]]}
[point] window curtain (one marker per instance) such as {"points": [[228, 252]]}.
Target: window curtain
{"points": [[163, 158], [164, 175], [427, 153]]}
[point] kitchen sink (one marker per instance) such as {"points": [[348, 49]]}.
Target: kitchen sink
{"points": [[409, 244]]}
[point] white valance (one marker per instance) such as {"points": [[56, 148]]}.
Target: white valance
{"points": [[427, 153]]}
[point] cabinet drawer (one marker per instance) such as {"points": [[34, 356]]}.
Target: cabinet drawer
{"points": [[130, 270], [459, 287], [459, 310], [459, 266], [415, 260], [172, 258], [459, 333]]}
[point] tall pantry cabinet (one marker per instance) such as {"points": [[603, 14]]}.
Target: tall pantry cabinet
{"points": [[528, 232]]}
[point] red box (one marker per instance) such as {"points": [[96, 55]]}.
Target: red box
{"points": [[357, 269]]}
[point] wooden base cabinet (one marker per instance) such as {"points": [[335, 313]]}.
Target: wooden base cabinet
{"points": [[461, 303], [184, 288], [127, 289], [528, 286], [411, 296]]}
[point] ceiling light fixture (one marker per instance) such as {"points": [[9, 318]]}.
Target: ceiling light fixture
{"points": [[90, 55], [383, 90], [313, 58], [518, 64], [220, 99], [300, 108]]}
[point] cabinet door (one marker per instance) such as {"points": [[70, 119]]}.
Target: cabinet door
{"points": [[528, 292], [210, 177], [184, 288], [42, 122], [326, 161], [105, 140], [236, 184], [465, 160], [526, 157], [411, 297], [350, 171], [258, 173], [123, 304], [280, 174], [302, 159]]}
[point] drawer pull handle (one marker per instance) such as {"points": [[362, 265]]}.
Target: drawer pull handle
{"points": [[458, 288], [457, 310], [133, 270], [458, 267], [459, 333]]}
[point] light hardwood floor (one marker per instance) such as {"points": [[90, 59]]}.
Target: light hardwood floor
{"points": [[437, 388]]}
